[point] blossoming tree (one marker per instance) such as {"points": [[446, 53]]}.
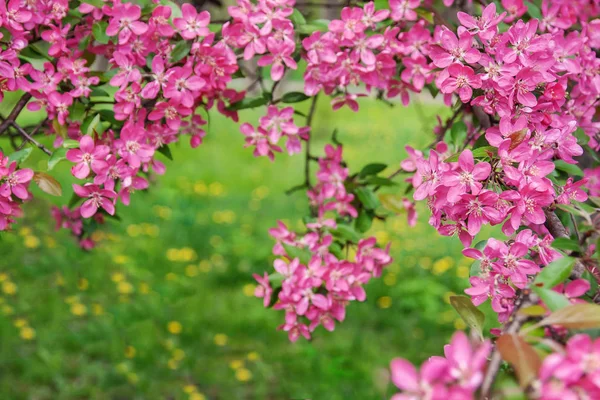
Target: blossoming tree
{"points": [[119, 82]]}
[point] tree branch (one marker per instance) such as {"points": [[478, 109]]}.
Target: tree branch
{"points": [[29, 138], [15, 112], [557, 229], [526, 298], [309, 117]]}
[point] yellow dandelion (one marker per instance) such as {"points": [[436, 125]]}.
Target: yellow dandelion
{"points": [[134, 230], [236, 364], [151, 230], [144, 288], [243, 375], [132, 378], [253, 356], [97, 309], [216, 189], [171, 276], [197, 396], [249, 289], [172, 364], [98, 236], [217, 260], [117, 277], [27, 333], [191, 270], [78, 309], [3, 277], [130, 352], [205, 266], [71, 299], [174, 327], [260, 192], [122, 367], [389, 279], [9, 288], [200, 188], [178, 354], [189, 389], [20, 322], [220, 339], [462, 271], [59, 280], [124, 287], [384, 302], [24, 231], [173, 254], [7, 310], [51, 242], [120, 259], [83, 284], [215, 241]]}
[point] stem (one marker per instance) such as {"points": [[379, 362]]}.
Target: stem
{"points": [[307, 156], [525, 299], [30, 138], [557, 229], [15, 112]]}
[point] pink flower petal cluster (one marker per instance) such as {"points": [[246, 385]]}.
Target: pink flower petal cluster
{"points": [[573, 372], [458, 375], [317, 292], [14, 183], [276, 124]]}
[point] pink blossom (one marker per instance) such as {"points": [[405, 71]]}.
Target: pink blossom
{"points": [[96, 198]]}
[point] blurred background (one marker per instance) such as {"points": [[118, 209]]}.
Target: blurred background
{"points": [[163, 308]]}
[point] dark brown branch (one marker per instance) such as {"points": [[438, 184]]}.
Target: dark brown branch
{"points": [[29, 137], [557, 229], [526, 298], [14, 113]]}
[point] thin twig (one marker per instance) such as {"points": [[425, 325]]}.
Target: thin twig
{"points": [[307, 156], [557, 230], [30, 139], [15, 112], [526, 298]]}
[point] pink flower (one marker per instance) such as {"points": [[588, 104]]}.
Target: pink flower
{"points": [[280, 55], [125, 22], [61, 103], [15, 181], [96, 198], [461, 79], [88, 155], [263, 290], [351, 23], [468, 176], [171, 111], [453, 50], [484, 26], [181, 85], [192, 24], [404, 9]]}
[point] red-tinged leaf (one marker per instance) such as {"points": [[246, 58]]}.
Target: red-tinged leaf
{"points": [[47, 184], [575, 316], [533, 311], [521, 355]]}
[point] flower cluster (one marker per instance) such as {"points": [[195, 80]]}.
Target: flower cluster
{"points": [[263, 29], [13, 190], [317, 291], [455, 376], [503, 267], [272, 127], [572, 373]]}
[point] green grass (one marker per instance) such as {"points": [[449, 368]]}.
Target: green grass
{"points": [[185, 251]]}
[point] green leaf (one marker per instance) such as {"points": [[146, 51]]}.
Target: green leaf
{"points": [[472, 316], [346, 232], [364, 221], [575, 316], [21, 155], [481, 152], [554, 273], [95, 3], [96, 92], [248, 102], [426, 15], [297, 18], [294, 252], [458, 133], [294, 97], [534, 11], [314, 26], [372, 169], [392, 202], [181, 50], [166, 151], [380, 181], [70, 144], [57, 156], [582, 137], [570, 169], [552, 299], [99, 32], [564, 243], [367, 198]]}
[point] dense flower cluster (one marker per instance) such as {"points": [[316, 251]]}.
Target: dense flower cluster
{"points": [[72, 220], [272, 127], [503, 267], [572, 373], [13, 190], [455, 376], [317, 292], [156, 85]]}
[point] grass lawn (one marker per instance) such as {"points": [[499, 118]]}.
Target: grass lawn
{"points": [[163, 308]]}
